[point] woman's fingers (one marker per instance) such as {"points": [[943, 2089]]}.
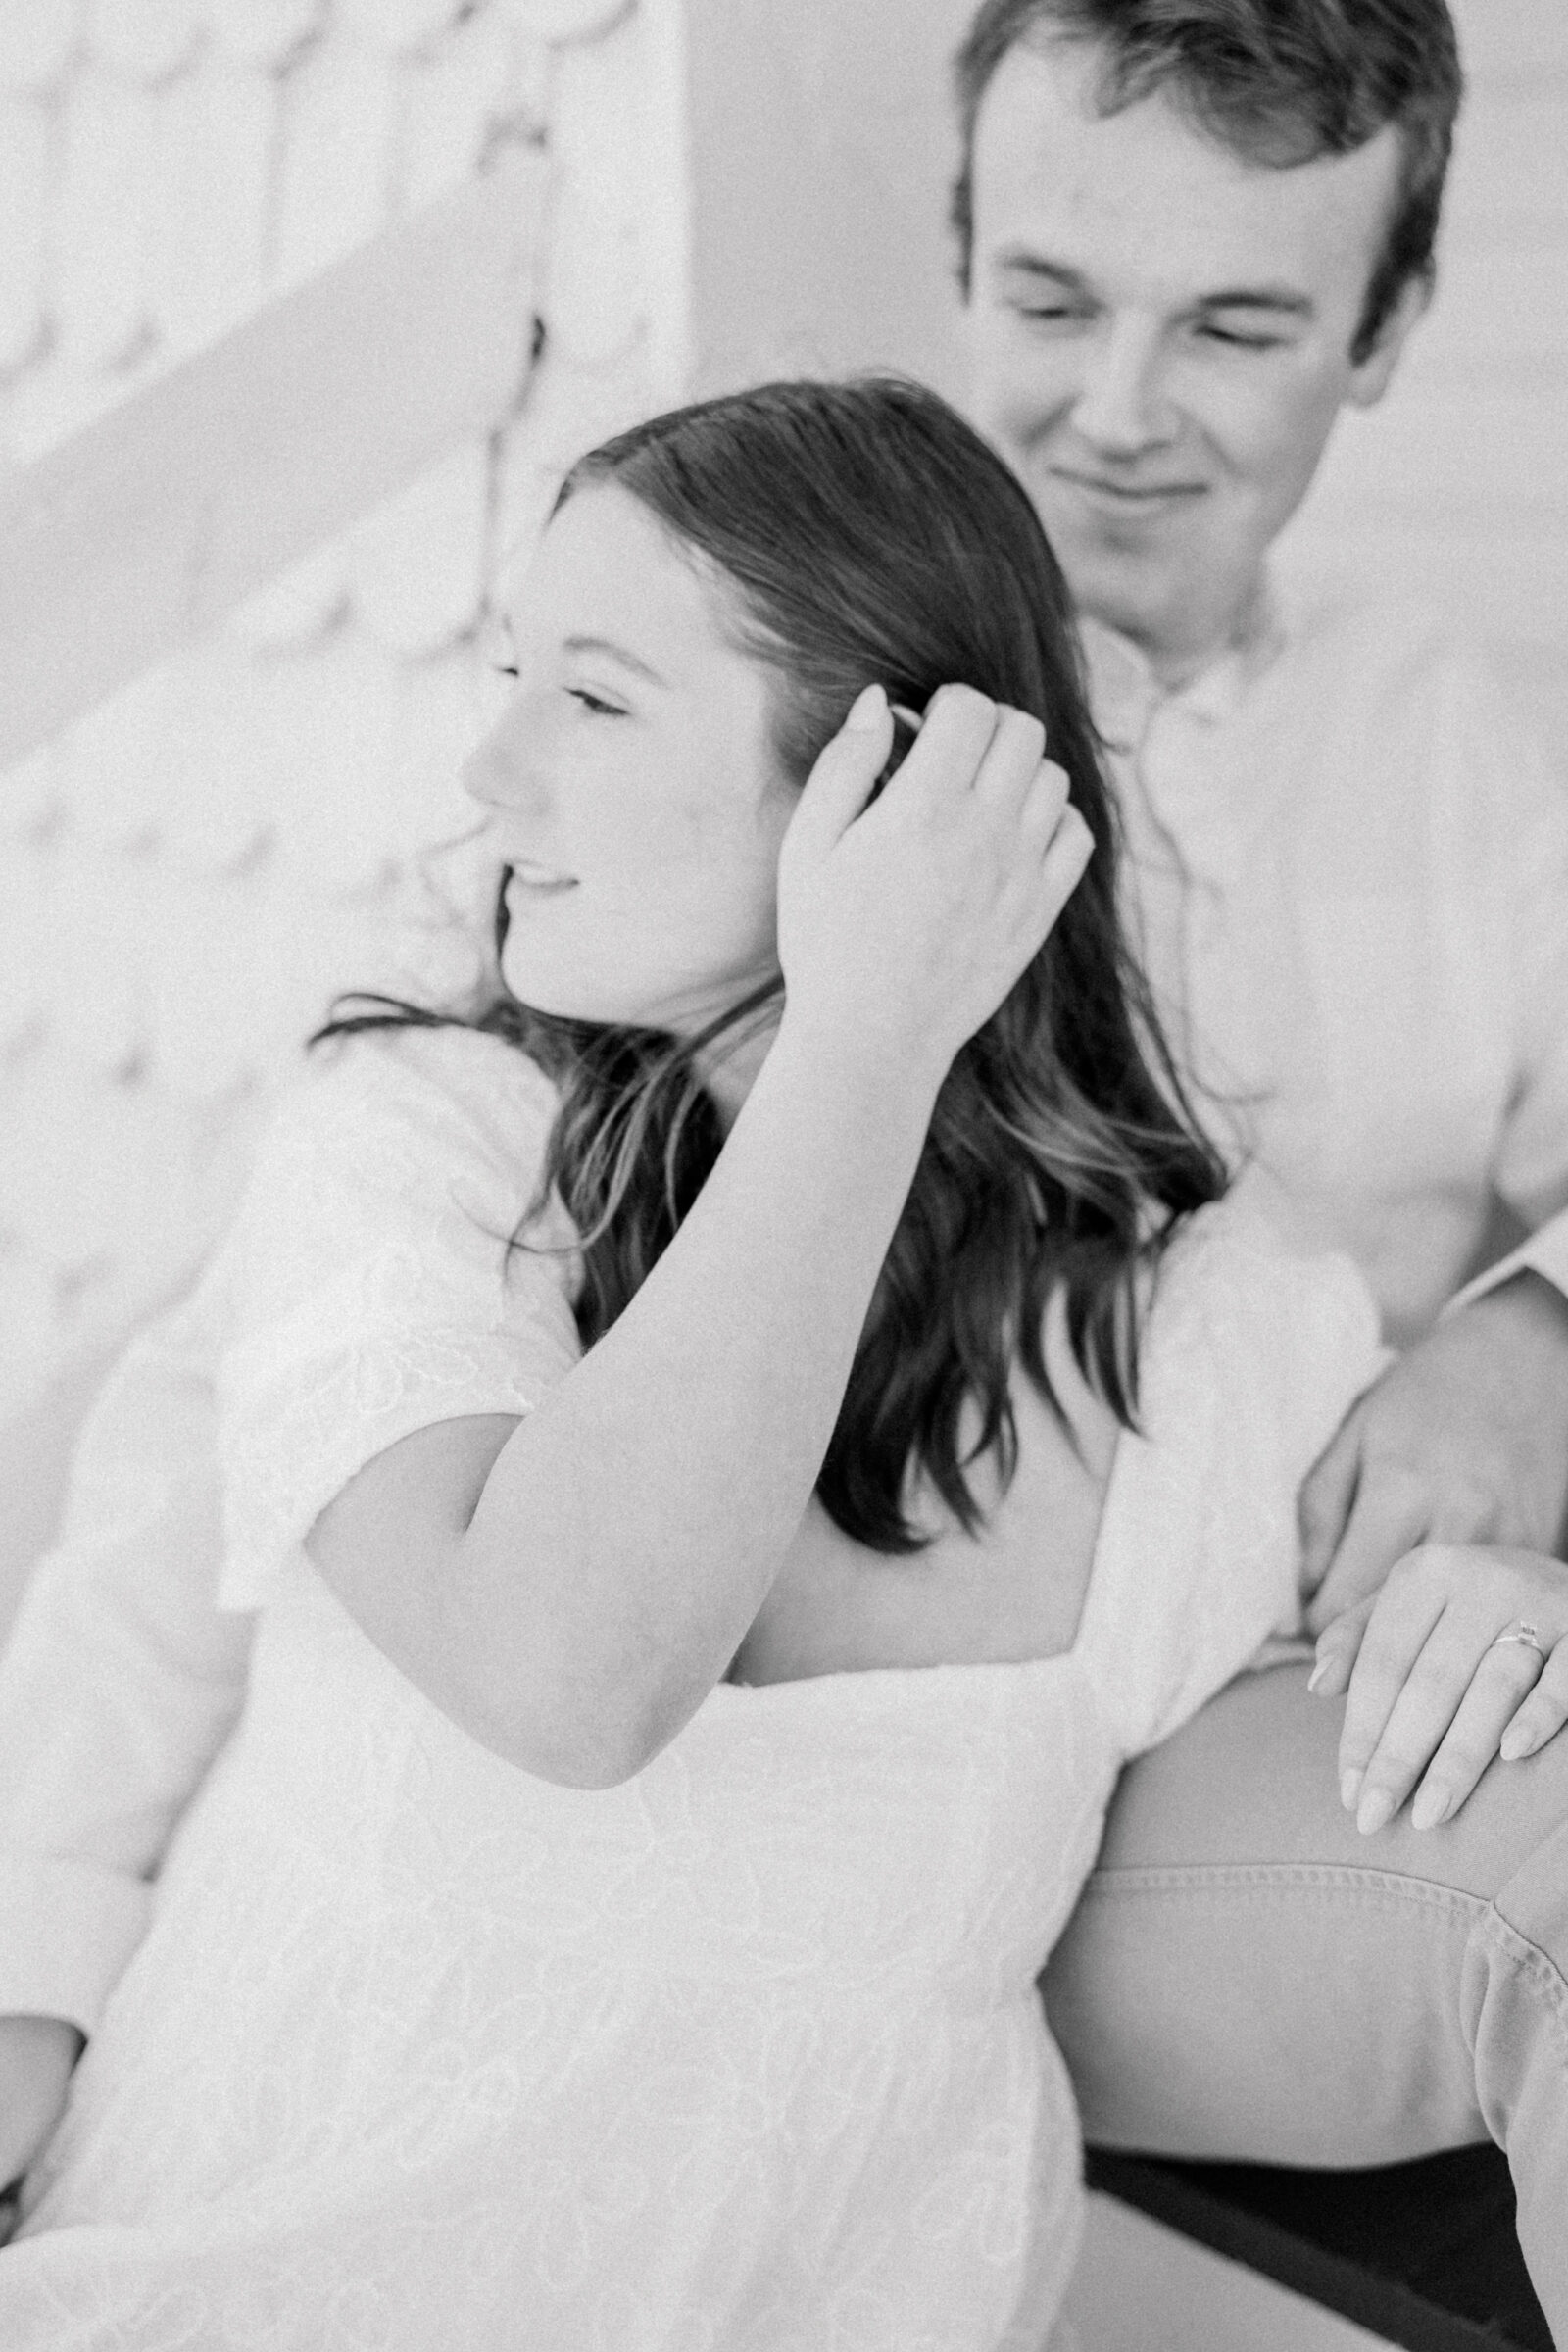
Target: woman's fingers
{"points": [[1392, 1672], [957, 739], [841, 780], [910, 917], [1445, 1671], [1014, 771], [1067, 854], [1543, 1713], [1489, 1704]]}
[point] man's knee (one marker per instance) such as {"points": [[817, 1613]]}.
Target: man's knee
{"points": [[1248, 1975]]}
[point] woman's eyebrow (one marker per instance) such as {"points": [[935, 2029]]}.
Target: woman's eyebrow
{"points": [[616, 653]]}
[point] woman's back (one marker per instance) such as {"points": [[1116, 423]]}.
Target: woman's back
{"points": [[1014, 1591]]}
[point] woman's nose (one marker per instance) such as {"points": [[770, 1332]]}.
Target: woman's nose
{"points": [[503, 770]]}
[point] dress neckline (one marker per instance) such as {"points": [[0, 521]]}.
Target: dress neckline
{"points": [[1071, 1657]]}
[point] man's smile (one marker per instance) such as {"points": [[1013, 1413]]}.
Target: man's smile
{"points": [[1125, 494]]}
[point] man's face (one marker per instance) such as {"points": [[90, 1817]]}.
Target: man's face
{"points": [[1160, 337]]}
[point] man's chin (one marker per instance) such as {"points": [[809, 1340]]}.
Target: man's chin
{"points": [[1123, 595]]}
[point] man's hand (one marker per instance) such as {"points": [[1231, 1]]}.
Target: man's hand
{"points": [[37, 2056], [1464, 1441]]}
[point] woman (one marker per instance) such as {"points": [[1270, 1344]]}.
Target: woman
{"points": [[726, 1474]]}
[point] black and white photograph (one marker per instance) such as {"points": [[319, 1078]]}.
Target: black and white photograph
{"points": [[783, 1175]]}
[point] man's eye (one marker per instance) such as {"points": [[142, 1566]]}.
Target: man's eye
{"points": [[592, 702], [1237, 341], [506, 670]]}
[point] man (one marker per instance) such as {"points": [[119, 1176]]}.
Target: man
{"points": [[1192, 231]]}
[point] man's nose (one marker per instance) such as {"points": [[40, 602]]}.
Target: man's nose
{"points": [[1122, 407]]}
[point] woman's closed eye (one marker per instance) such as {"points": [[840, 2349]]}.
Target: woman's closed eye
{"points": [[595, 703]]}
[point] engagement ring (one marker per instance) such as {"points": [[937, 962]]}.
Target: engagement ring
{"points": [[1529, 1635]]}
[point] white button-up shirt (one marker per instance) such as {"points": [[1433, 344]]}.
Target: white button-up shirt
{"points": [[1349, 876]]}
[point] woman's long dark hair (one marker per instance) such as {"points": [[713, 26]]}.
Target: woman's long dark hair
{"points": [[858, 532]]}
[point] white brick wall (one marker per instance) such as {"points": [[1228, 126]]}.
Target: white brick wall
{"points": [[1457, 486], [189, 872]]}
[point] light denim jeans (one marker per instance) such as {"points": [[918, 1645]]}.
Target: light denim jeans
{"points": [[1247, 1977]]}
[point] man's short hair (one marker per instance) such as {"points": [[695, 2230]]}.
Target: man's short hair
{"points": [[1277, 81]]}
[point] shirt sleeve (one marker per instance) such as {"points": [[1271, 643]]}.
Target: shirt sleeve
{"points": [[1545, 1254], [1519, 804], [364, 1290], [369, 1286], [1252, 1355], [1517, 809], [121, 1680]]}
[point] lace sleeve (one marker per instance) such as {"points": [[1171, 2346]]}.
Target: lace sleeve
{"points": [[1251, 1358], [368, 1289]]}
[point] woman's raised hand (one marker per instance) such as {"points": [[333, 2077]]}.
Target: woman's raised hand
{"points": [[1461, 1657], [906, 923]]}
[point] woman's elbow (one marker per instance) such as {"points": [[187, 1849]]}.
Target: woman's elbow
{"points": [[590, 1745]]}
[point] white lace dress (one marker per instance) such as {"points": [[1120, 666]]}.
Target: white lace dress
{"points": [[743, 2056]]}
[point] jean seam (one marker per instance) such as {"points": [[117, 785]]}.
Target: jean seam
{"points": [[1343, 1881], [1537, 1968]]}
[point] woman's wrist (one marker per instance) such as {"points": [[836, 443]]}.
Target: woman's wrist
{"points": [[891, 1077]]}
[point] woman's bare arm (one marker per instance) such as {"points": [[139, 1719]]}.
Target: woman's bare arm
{"points": [[569, 1588]]}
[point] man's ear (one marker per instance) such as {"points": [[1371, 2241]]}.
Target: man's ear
{"points": [[1372, 375]]}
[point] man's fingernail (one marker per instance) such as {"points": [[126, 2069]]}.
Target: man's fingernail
{"points": [[1375, 1809], [868, 710], [1431, 1806], [1350, 1789], [1318, 1672]]}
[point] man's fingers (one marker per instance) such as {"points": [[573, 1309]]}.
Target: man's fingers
{"points": [[1338, 1647], [1543, 1713], [1386, 1519], [1324, 1505], [1390, 1662]]}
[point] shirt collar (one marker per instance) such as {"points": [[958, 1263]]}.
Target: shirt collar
{"points": [[1126, 692]]}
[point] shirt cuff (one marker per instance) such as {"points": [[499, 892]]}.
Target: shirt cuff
{"points": [[1545, 1254], [67, 1931]]}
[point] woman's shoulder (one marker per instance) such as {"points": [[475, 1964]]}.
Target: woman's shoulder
{"points": [[421, 1075], [388, 1135], [408, 1106], [1252, 1353], [1253, 1350], [367, 1288], [1230, 1283]]}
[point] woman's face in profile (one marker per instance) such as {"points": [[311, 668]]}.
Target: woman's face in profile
{"points": [[632, 782]]}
